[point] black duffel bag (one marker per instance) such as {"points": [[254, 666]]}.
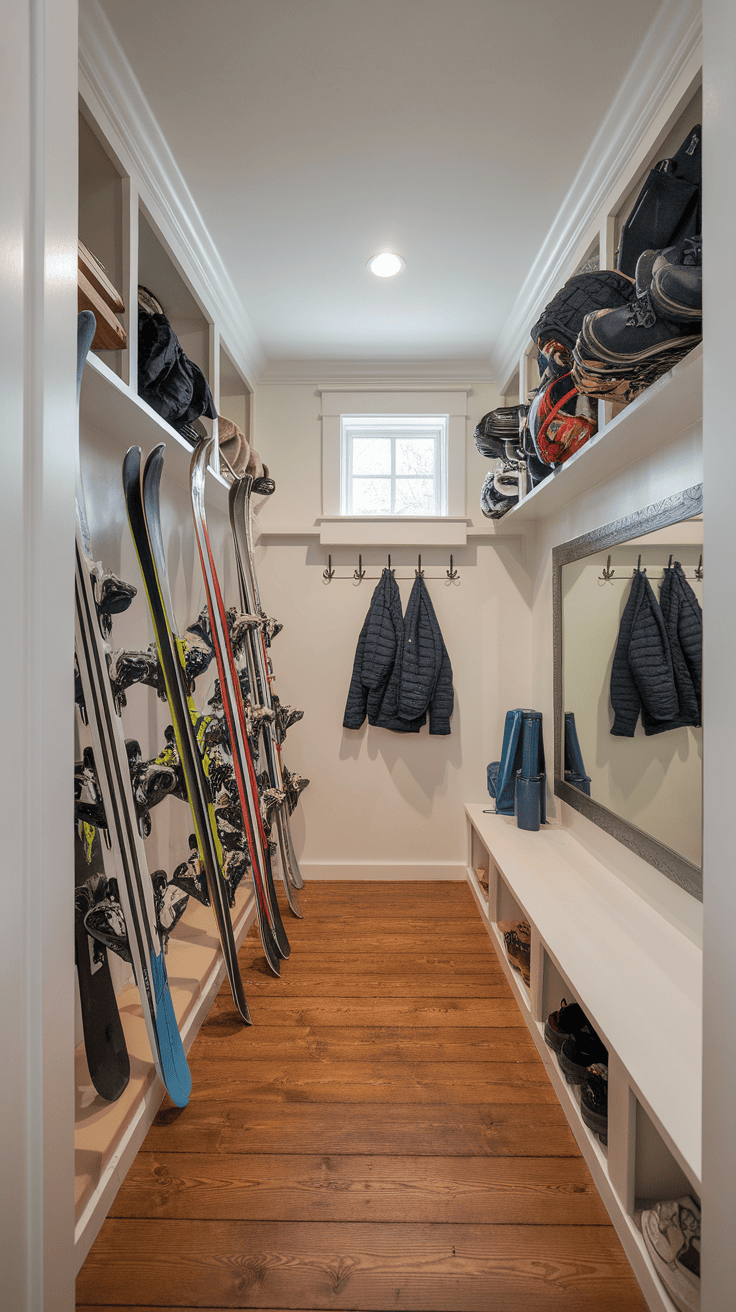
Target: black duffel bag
{"points": [[668, 207], [172, 384]]}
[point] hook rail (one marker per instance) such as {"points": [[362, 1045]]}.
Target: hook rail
{"points": [[450, 575]]}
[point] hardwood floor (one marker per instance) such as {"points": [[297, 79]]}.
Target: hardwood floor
{"points": [[383, 1137]]}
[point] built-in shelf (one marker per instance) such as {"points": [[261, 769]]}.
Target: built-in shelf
{"points": [[673, 404], [112, 408], [639, 981], [636, 975]]}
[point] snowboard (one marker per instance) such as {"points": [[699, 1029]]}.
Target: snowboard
{"points": [[145, 526], [234, 711], [124, 858]]}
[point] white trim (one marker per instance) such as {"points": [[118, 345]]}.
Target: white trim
{"points": [[107, 78], [383, 870], [666, 63], [452, 401], [364, 373]]}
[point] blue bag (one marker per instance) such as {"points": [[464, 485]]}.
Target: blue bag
{"points": [[574, 767]]}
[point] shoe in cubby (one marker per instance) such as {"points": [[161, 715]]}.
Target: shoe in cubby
{"points": [[594, 1100], [561, 1024], [671, 1232], [580, 1051]]}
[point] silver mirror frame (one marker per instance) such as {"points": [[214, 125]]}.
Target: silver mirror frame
{"points": [[660, 515]]}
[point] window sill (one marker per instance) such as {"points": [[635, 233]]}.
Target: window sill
{"points": [[392, 531]]}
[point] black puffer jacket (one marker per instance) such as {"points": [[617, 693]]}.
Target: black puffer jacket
{"points": [[683, 619], [642, 677], [380, 645], [426, 672]]}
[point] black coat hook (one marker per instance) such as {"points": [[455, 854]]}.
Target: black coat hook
{"points": [[608, 573], [359, 573], [419, 572], [329, 573], [638, 564], [699, 570], [451, 573], [389, 566]]}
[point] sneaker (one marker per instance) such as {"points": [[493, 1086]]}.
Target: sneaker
{"points": [[671, 1232], [517, 936], [580, 1051], [594, 1100], [560, 1024]]}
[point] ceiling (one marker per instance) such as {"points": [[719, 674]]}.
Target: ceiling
{"points": [[314, 133]]}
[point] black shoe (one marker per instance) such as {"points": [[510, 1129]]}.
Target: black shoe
{"points": [[579, 1052], [677, 293], [631, 335], [594, 1100], [688, 253], [559, 1025]]}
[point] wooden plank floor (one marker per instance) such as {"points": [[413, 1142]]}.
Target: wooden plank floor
{"points": [[383, 1137]]}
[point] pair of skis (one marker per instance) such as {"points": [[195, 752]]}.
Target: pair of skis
{"points": [[259, 677], [123, 853], [142, 501]]}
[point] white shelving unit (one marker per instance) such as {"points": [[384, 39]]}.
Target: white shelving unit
{"points": [[673, 403], [118, 222], [637, 978]]}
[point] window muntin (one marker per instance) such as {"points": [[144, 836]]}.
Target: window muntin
{"points": [[393, 465]]}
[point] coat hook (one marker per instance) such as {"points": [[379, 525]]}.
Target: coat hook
{"points": [[389, 566], [329, 573], [608, 573], [699, 570], [359, 573], [638, 564], [451, 573], [419, 572], [669, 563]]}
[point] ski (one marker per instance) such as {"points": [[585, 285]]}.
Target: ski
{"points": [[125, 861], [232, 702], [145, 526], [240, 523], [104, 1040]]}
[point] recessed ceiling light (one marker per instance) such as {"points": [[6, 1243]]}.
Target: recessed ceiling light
{"points": [[386, 265]]}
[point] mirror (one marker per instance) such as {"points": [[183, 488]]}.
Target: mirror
{"points": [[628, 754]]}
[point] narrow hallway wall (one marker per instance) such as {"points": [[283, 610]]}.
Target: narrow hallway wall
{"points": [[382, 803]]}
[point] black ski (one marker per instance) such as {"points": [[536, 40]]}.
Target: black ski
{"points": [[104, 1040], [233, 709], [145, 526]]}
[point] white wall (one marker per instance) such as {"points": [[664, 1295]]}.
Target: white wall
{"points": [[384, 804]]}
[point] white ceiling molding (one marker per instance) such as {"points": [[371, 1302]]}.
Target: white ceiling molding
{"points": [[107, 70], [298, 373], [668, 50]]}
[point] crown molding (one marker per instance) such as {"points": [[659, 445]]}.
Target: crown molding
{"points": [[376, 373], [107, 72], [668, 53]]}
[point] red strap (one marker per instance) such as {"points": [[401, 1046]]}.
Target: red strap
{"points": [[555, 411]]}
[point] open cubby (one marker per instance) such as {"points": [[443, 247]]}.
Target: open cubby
{"points": [[657, 1174], [101, 224], [158, 272], [235, 395]]}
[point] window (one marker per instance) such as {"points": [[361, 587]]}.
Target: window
{"points": [[393, 464]]}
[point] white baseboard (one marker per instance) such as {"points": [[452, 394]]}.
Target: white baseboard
{"points": [[376, 870]]}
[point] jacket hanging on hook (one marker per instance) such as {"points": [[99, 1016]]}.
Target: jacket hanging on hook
{"points": [[402, 671]]}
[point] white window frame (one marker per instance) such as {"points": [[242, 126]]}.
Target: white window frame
{"points": [[393, 427], [338, 400]]}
